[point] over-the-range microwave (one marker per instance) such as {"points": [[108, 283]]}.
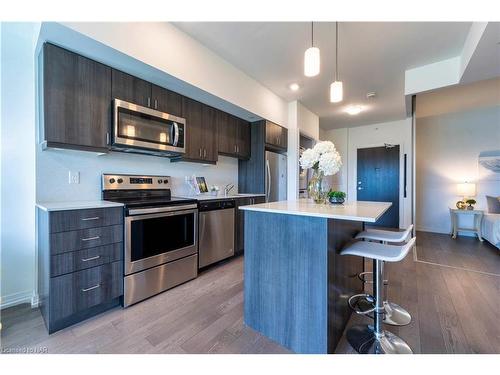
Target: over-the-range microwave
{"points": [[145, 130]]}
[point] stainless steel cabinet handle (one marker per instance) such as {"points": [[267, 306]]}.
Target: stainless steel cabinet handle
{"points": [[200, 152], [156, 103], [90, 238], [91, 218], [149, 102], [107, 138], [235, 148], [92, 258], [91, 288], [204, 152]]}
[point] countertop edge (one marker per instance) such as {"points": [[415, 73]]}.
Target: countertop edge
{"points": [[310, 214], [76, 205]]}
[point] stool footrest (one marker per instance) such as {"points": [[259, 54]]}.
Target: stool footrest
{"points": [[356, 298]]}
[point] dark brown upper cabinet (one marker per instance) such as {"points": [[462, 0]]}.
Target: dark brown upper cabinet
{"points": [[76, 101], [233, 136], [166, 101], [276, 136], [131, 89]]}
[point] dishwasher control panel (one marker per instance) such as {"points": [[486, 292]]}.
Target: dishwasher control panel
{"points": [[217, 205]]}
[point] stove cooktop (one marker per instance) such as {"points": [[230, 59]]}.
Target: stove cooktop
{"points": [[131, 202]]}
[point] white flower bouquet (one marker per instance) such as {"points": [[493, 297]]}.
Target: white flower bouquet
{"points": [[322, 157]]}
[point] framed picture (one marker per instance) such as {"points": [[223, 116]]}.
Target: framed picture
{"points": [[202, 185]]}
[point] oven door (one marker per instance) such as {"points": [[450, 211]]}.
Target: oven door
{"points": [[141, 127], [157, 238]]}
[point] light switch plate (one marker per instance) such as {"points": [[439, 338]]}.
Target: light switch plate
{"points": [[74, 177]]}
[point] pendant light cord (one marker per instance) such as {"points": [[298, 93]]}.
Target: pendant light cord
{"points": [[312, 34], [336, 51]]}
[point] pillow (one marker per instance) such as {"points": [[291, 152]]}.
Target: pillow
{"points": [[493, 204]]}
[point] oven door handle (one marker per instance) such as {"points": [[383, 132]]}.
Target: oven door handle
{"points": [[172, 209]]}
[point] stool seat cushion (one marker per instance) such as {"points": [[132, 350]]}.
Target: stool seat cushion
{"points": [[385, 235], [378, 251]]}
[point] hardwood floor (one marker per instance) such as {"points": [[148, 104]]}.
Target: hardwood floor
{"points": [[453, 311]]}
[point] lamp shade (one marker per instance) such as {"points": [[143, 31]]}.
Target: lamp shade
{"points": [[336, 92], [466, 189], [311, 62]]}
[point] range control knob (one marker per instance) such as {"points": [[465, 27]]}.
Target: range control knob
{"points": [[160, 181], [120, 180], [111, 180]]}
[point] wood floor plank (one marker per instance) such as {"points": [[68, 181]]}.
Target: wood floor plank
{"points": [[453, 311]]}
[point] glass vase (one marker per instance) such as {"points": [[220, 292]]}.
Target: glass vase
{"points": [[315, 187]]}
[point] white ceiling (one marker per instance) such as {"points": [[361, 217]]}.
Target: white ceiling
{"points": [[373, 56]]}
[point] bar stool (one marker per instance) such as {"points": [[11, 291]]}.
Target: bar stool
{"points": [[373, 339], [394, 314]]}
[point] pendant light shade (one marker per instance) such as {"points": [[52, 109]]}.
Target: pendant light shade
{"points": [[336, 92], [311, 62], [311, 58], [336, 88]]}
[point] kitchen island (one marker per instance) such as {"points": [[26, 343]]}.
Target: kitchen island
{"points": [[296, 282]]}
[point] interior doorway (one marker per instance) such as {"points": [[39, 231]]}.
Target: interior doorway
{"points": [[378, 180]]}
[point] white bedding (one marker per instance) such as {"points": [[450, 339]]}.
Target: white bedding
{"points": [[491, 229]]}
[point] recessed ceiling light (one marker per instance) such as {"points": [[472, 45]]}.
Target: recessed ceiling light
{"points": [[371, 94], [294, 86], [353, 110]]}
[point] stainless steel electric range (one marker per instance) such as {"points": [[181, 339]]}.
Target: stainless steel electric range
{"points": [[161, 240]]}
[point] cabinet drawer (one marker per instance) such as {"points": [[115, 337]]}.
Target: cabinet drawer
{"points": [[83, 259], [62, 221], [83, 239], [78, 291]]}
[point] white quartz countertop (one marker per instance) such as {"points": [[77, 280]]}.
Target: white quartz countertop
{"points": [[206, 197], [354, 210], [76, 205]]}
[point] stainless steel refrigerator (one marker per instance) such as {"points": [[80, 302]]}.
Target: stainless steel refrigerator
{"points": [[275, 177]]}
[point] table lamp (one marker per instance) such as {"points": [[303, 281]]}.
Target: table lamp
{"points": [[466, 190]]}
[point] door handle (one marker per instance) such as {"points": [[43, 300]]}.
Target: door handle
{"points": [[268, 180], [92, 258], [176, 134], [90, 238], [91, 288]]}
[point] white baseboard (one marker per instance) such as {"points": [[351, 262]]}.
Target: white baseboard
{"points": [[34, 300], [16, 299]]}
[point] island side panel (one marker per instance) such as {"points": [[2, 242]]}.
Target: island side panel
{"points": [[286, 277], [342, 277]]}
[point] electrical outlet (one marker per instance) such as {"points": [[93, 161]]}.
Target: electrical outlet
{"points": [[74, 177]]}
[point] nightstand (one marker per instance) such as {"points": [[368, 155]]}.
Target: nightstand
{"points": [[478, 218]]}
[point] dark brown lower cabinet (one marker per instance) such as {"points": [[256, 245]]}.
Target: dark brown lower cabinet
{"points": [[80, 271], [240, 221]]}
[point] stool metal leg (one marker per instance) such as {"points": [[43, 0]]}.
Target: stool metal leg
{"points": [[373, 339]]}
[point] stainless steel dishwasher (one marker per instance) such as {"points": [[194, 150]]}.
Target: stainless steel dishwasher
{"points": [[216, 231]]}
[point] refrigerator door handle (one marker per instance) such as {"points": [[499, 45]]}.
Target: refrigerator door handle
{"points": [[268, 171]]}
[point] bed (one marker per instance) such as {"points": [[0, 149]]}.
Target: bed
{"points": [[491, 229]]}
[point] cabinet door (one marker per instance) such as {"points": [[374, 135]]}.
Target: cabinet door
{"points": [[192, 111], [131, 89], [166, 101], [227, 133], [240, 224], [243, 145], [283, 138], [209, 134], [272, 133], [77, 100]]}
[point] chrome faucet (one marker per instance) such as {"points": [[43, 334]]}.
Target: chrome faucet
{"points": [[228, 188]]}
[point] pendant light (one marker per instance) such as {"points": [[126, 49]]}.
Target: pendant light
{"points": [[311, 58], [336, 88]]}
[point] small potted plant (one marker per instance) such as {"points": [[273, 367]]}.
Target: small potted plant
{"points": [[214, 190], [336, 197], [471, 203]]}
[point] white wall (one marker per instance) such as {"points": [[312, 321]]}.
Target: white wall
{"points": [[163, 54], [453, 126], [340, 138], [18, 163], [53, 167], [300, 121], [348, 140]]}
